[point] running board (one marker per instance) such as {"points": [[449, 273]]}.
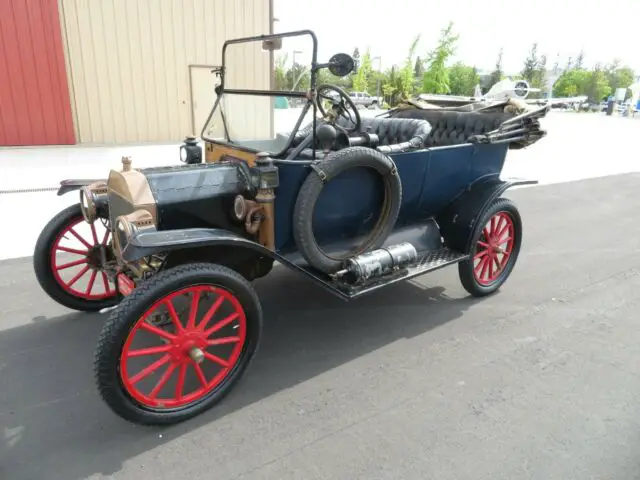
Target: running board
{"points": [[427, 262]]}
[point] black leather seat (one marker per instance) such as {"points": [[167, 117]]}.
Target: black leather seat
{"points": [[451, 127], [395, 134], [398, 131]]}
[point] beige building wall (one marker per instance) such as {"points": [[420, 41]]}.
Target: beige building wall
{"points": [[129, 64]]}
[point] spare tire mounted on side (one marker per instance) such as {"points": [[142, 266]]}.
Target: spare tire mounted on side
{"points": [[324, 171]]}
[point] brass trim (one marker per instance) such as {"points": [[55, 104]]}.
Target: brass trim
{"points": [[132, 222], [132, 186], [266, 234], [90, 193], [89, 211], [126, 164], [98, 187], [240, 208], [117, 247], [140, 218], [253, 218]]}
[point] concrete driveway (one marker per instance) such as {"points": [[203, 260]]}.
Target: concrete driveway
{"points": [[540, 381]]}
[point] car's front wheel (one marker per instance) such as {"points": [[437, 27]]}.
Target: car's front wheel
{"points": [[178, 344], [68, 259]]}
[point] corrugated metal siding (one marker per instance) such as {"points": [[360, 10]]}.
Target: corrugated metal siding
{"points": [[129, 61], [34, 97]]}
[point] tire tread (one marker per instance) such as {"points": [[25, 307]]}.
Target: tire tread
{"points": [[465, 268], [117, 327], [42, 265]]}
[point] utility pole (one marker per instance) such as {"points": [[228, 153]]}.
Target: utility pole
{"points": [[378, 76]]}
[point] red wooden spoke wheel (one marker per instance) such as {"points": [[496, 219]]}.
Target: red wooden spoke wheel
{"points": [[494, 250], [178, 343], [191, 345], [68, 261], [81, 242]]}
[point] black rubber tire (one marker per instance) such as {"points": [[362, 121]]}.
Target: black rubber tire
{"points": [[42, 265], [466, 267], [116, 329], [334, 164]]}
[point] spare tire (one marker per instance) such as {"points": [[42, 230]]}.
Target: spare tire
{"points": [[323, 172]]}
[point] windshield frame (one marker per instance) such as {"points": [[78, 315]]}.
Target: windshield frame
{"points": [[310, 96]]}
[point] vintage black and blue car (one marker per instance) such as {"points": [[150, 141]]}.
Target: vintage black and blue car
{"points": [[352, 203]]}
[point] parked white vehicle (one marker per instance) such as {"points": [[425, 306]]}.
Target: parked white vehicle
{"points": [[365, 100]]}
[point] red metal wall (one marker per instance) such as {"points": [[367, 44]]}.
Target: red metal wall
{"points": [[35, 107]]}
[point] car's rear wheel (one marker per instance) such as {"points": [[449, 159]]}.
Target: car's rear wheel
{"points": [[67, 261], [496, 243], [178, 344]]}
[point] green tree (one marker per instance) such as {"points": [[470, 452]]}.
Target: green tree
{"points": [[361, 78], [497, 74], [281, 72], [463, 79], [597, 86], [418, 69], [436, 77], [356, 57], [539, 79], [372, 82], [571, 83], [405, 85], [569, 64], [579, 60], [388, 90], [531, 64], [390, 84], [619, 76], [298, 78], [325, 76]]}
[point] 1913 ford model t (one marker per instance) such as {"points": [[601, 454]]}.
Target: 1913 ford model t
{"points": [[351, 203]]}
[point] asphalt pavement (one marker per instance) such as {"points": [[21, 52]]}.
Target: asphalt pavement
{"points": [[539, 381]]}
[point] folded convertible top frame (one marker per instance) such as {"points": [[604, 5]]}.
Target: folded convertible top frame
{"points": [[521, 127]]}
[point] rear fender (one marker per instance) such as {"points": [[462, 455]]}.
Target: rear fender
{"points": [[458, 220], [67, 186]]}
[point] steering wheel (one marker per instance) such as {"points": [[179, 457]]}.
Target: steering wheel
{"points": [[341, 106]]}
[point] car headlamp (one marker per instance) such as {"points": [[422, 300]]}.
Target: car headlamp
{"points": [[190, 151], [126, 226], [93, 201], [124, 230], [88, 204], [265, 174]]}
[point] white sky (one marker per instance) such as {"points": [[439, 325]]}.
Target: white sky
{"points": [[604, 30]]}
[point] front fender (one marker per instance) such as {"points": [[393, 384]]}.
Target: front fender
{"points": [[151, 242], [457, 220], [67, 186]]}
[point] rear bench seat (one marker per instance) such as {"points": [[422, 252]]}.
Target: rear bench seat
{"points": [[454, 128]]}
